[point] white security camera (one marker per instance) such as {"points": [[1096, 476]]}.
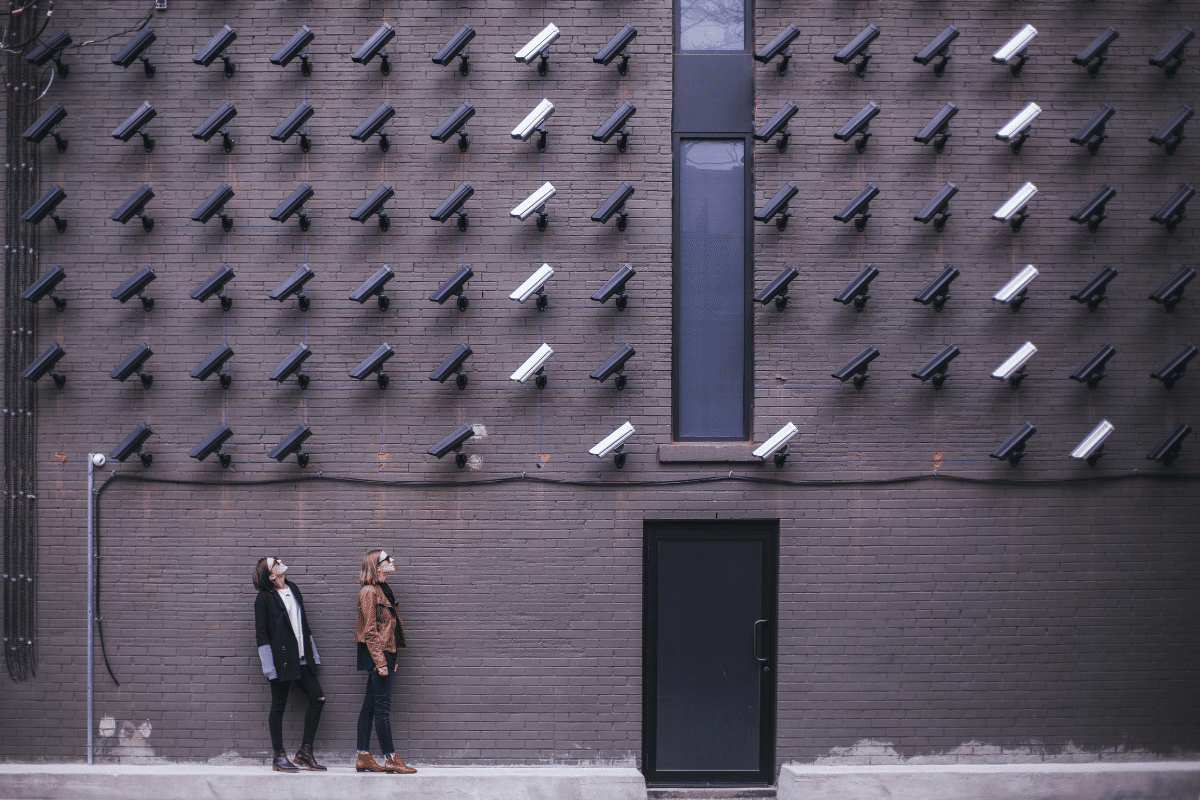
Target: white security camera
{"points": [[777, 445], [98, 459], [533, 285], [537, 47], [614, 443], [533, 365], [1013, 209], [1013, 368], [534, 202], [1092, 447], [1013, 292]]}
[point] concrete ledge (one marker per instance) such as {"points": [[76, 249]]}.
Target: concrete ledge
{"points": [[198, 782], [715, 452], [1145, 780]]}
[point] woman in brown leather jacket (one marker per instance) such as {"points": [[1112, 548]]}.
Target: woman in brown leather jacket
{"points": [[379, 634]]}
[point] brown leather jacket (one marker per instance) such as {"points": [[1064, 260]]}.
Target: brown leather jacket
{"points": [[376, 626]]}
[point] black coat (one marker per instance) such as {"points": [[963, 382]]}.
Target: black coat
{"points": [[277, 646]]}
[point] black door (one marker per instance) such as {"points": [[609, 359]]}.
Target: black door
{"points": [[709, 652]]}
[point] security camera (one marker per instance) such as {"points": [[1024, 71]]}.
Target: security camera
{"points": [[454, 49], [373, 124], [534, 121], [1174, 367], [938, 49], [51, 50], [374, 286], [455, 123], [939, 126], [1172, 212], [212, 363], [135, 207], [211, 443], [1171, 133], [374, 47], [132, 364], [44, 287], [614, 443], [777, 289], [616, 286], [938, 290], [453, 287], [1012, 210], [778, 206], [217, 121], [616, 122], [859, 207], [1092, 133], [292, 123], [775, 447], [47, 125], [779, 47], [533, 285], [374, 205], [1092, 371], [294, 47], [535, 202], [45, 207], [856, 367], [290, 365], [212, 284], [44, 365], [1016, 130], [1012, 369], [856, 290], [858, 126], [135, 286], [1013, 52], [1092, 212], [453, 205], [937, 368], [294, 283], [1092, 292], [135, 49], [615, 204], [215, 204], [617, 45], [534, 365], [1171, 292], [215, 48], [1168, 449], [1013, 449], [99, 459], [1015, 291], [1092, 447], [293, 443], [858, 47], [294, 202], [1095, 54], [1171, 56], [373, 365], [778, 124], [133, 444], [453, 444], [538, 47], [937, 208], [453, 365], [614, 365], [135, 124]]}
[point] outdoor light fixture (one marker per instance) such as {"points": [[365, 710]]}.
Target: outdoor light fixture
{"points": [[1012, 369], [856, 290], [938, 290], [1014, 292], [778, 288], [373, 365], [1171, 133], [779, 47], [939, 126], [1092, 292], [292, 123], [937, 208], [215, 204], [135, 207], [1095, 54], [294, 202], [135, 286], [290, 365], [856, 367], [213, 362], [45, 207], [1013, 210], [135, 124], [210, 444], [293, 443], [858, 126], [44, 287], [858, 47], [937, 368], [374, 287], [1092, 211], [217, 47], [294, 47], [134, 49], [616, 286], [455, 123], [1170, 57], [453, 365], [132, 364], [533, 285], [778, 124], [1168, 449], [535, 121], [132, 444], [374, 205], [453, 205], [1174, 367], [51, 50], [1092, 447], [1171, 292], [1013, 449], [374, 47], [614, 365], [1172, 212], [615, 204], [778, 206], [373, 124], [217, 121], [1092, 371], [47, 125], [212, 284], [1013, 52], [534, 365], [535, 202], [614, 443], [859, 207], [616, 122], [776, 446], [454, 444], [617, 45], [295, 283], [1016, 130], [938, 49], [44, 365], [538, 46], [453, 287], [454, 49]]}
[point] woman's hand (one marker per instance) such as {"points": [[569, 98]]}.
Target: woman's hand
{"points": [[382, 672]]}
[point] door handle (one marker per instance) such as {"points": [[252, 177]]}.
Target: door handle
{"points": [[756, 645]]}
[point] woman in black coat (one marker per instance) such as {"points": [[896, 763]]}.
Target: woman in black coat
{"points": [[288, 653]]}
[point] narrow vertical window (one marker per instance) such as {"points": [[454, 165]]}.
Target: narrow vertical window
{"points": [[712, 25]]}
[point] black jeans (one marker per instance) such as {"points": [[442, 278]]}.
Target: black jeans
{"points": [[311, 687], [377, 706]]}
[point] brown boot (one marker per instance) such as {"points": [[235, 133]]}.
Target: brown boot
{"points": [[365, 763], [281, 763], [395, 763], [306, 759]]}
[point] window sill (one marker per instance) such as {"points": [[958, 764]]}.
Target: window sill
{"points": [[725, 452]]}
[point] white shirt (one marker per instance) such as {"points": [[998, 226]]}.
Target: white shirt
{"points": [[293, 612]]}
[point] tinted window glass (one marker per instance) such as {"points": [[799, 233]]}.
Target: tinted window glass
{"points": [[712, 24]]}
